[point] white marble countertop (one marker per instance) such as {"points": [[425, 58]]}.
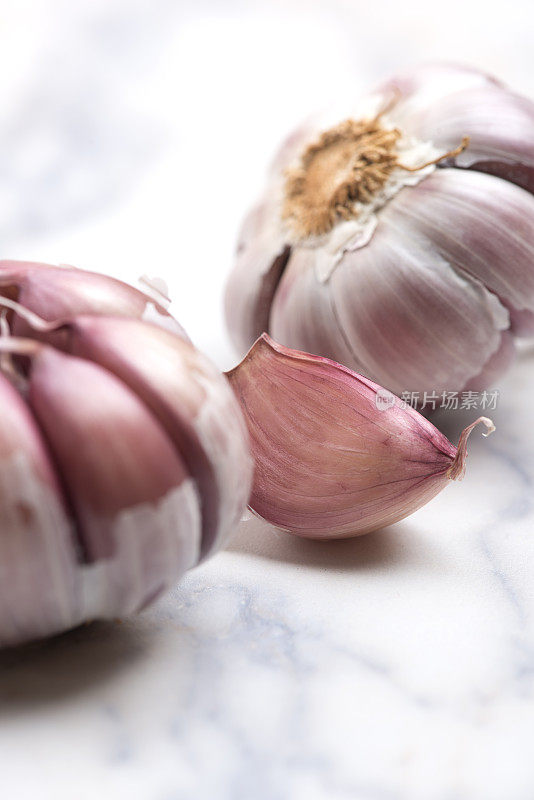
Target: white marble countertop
{"points": [[398, 666]]}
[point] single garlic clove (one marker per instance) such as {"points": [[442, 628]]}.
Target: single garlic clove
{"points": [[193, 403], [394, 310], [330, 460], [56, 292], [136, 507], [303, 314], [479, 223], [37, 546], [443, 102]]}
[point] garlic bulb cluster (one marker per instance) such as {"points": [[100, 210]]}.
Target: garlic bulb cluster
{"points": [[336, 455], [125, 458], [399, 240]]}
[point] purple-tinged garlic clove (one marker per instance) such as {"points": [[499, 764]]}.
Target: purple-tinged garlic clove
{"points": [[303, 314], [37, 546], [193, 403], [57, 292], [479, 223], [136, 507], [443, 102], [336, 456]]}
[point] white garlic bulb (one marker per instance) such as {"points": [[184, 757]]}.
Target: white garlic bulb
{"points": [[399, 241]]}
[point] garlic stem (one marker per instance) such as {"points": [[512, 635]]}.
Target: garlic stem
{"points": [[457, 470]]}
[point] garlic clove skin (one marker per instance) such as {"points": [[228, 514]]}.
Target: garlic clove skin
{"points": [[423, 306], [442, 102], [37, 544], [97, 497], [136, 507], [57, 292], [303, 314], [329, 463], [482, 224], [395, 310], [193, 403]]}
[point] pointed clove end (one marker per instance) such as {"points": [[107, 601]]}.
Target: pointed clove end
{"points": [[457, 469]]}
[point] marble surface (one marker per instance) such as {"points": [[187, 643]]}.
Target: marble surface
{"points": [[398, 666]]}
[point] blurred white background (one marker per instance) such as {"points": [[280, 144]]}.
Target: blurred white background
{"points": [[134, 134]]}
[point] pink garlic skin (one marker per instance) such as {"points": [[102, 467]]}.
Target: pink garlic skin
{"points": [[191, 400], [436, 298], [123, 527], [121, 456], [420, 309], [123, 461], [135, 505], [37, 544], [442, 102], [57, 292], [328, 462]]}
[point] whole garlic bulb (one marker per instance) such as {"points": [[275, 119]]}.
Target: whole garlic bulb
{"points": [[124, 455], [399, 241]]}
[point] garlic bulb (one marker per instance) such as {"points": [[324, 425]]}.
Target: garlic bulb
{"points": [[125, 457], [335, 454], [399, 241]]}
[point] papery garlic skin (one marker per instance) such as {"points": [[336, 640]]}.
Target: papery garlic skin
{"points": [[442, 102], [191, 400], [426, 289], [330, 460], [125, 458], [37, 545], [121, 462], [99, 513], [56, 292]]}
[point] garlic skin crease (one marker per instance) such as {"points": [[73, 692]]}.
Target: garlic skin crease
{"points": [[335, 454], [398, 240], [124, 455]]}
